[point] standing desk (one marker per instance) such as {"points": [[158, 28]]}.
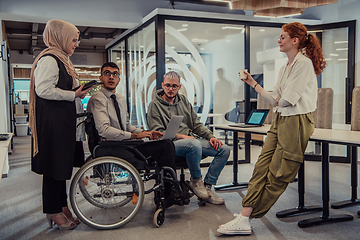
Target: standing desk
{"points": [[325, 136]]}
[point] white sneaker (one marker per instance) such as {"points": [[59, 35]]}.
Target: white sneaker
{"points": [[197, 186], [214, 199], [239, 226]]}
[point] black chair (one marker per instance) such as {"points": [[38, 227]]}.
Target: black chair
{"points": [[108, 190]]}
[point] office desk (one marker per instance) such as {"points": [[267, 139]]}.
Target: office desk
{"points": [[258, 130], [4, 160], [325, 136]]}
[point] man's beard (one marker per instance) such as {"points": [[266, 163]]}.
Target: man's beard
{"points": [[169, 96]]}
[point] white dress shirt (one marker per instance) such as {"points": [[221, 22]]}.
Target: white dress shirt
{"points": [[106, 120]]}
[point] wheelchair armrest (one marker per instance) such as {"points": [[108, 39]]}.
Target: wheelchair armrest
{"points": [[135, 142], [125, 144]]}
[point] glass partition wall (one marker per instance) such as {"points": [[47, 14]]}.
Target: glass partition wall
{"points": [[208, 57], [208, 54]]}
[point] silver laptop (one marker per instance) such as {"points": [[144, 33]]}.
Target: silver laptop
{"points": [[255, 119], [172, 128]]}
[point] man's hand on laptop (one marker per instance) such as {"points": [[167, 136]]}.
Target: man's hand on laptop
{"points": [[156, 134], [141, 135], [216, 143], [182, 136]]}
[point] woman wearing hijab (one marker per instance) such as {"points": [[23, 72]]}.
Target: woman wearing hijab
{"points": [[294, 98], [53, 119]]}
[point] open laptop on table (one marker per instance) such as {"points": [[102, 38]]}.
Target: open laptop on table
{"points": [[172, 128], [255, 119]]}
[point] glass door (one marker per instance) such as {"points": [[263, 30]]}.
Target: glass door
{"points": [[338, 42]]}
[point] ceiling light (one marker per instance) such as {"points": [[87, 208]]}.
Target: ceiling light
{"points": [[315, 31], [185, 25], [289, 15], [257, 15], [232, 27], [262, 30], [342, 59], [96, 74], [334, 54], [196, 40], [182, 29], [328, 59], [341, 49], [337, 42], [202, 48]]}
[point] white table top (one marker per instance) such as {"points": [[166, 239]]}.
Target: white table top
{"points": [[4, 149], [6, 142], [344, 137]]}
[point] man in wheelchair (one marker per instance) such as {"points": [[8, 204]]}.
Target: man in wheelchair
{"points": [[109, 113]]}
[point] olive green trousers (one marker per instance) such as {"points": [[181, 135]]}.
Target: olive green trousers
{"points": [[279, 161]]}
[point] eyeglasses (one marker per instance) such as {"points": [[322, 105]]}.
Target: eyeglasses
{"points": [[77, 42], [168, 86], [108, 74]]}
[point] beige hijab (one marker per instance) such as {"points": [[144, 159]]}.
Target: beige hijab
{"points": [[57, 36]]}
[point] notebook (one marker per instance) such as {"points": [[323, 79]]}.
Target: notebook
{"points": [[255, 119], [172, 128]]}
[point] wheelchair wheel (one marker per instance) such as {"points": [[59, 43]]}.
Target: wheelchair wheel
{"points": [[106, 193], [159, 217]]}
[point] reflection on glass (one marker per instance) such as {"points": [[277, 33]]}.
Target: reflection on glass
{"points": [[335, 44], [208, 57], [142, 74], [335, 51]]}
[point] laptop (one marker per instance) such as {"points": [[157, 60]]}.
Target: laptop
{"points": [[172, 128], [255, 119]]}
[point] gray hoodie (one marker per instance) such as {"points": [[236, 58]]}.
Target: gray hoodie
{"points": [[160, 112]]}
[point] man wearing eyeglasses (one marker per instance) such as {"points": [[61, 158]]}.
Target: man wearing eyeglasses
{"points": [[193, 140], [112, 121]]}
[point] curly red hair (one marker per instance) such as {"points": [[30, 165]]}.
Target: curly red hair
{"points": [[308, 44]]}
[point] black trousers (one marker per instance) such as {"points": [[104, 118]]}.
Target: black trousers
{"points": [[162, 151], [54, 195]]}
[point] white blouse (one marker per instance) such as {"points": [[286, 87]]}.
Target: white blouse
{"points": [[297, 85], [46, 77]]}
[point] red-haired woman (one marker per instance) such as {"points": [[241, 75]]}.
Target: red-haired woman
{"points": [[294, 98]]}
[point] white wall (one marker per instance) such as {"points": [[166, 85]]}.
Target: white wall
{"points": [[4, 109]]}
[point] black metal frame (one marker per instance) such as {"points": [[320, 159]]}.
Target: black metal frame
{"points": [[160, 52]]}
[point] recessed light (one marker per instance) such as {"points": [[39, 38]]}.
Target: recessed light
{"points": [[232, 27], [337, 42]]}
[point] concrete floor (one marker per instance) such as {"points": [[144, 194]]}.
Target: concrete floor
{"points": [[22, 217]]}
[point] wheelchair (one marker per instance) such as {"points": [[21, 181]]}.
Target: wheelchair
{"points": [[108, 191]]}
